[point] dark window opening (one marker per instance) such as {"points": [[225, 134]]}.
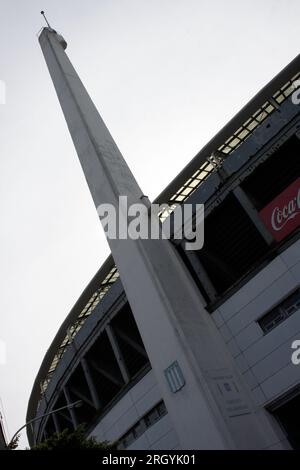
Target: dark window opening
{"points": [[104, 369], [78, 389], [100, 370], [191, 270], [288, 416], [232, 244], [63, 417], [49, 428], [129, 341], [274, 175]]}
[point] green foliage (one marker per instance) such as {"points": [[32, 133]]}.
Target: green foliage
{"points": [[14, 443], [72, 440]]}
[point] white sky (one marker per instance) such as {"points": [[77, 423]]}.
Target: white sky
{"points": [[166, 75]]}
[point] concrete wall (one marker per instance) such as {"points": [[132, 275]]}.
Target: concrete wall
{"points": [[129, 409], [264, 359]]}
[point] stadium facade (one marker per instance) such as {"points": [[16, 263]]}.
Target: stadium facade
{"points": [[228, 381]]}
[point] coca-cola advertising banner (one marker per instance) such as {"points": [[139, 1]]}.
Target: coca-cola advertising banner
{"points": [[282, 215]]}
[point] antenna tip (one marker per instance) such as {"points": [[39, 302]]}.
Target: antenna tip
{"points": [[42, 12]]}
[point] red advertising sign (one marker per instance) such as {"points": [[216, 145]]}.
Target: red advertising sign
{"points": [[282, 215]]}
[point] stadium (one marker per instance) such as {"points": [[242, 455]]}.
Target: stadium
{"points": [[248, 279]]}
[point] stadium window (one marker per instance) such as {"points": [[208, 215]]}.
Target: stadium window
{"points": [[148, 420], [155, 415], [275, 174], [233, 245], [281, 312]]}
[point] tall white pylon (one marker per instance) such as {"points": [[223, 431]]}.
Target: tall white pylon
{"points": [[213, 410]]}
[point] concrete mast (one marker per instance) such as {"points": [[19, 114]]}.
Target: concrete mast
{"points": [[213, 409]]}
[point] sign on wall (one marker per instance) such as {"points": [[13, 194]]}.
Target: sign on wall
{"points": [[282, 215]]}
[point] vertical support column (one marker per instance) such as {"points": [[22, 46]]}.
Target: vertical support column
{"points": [[43, 394], [202, 275], [89, 379], [71, 410], [34, 432], [117, 352], [252, 213], [56, 423]]}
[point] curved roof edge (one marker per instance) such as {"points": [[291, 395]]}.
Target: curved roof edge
{"points": [[256, 102], [79, 305]]}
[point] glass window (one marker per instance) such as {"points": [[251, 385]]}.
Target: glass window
{"points": [[281, 312]]}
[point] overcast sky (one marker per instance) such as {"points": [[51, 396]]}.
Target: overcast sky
{"points": [[166, 75]]}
